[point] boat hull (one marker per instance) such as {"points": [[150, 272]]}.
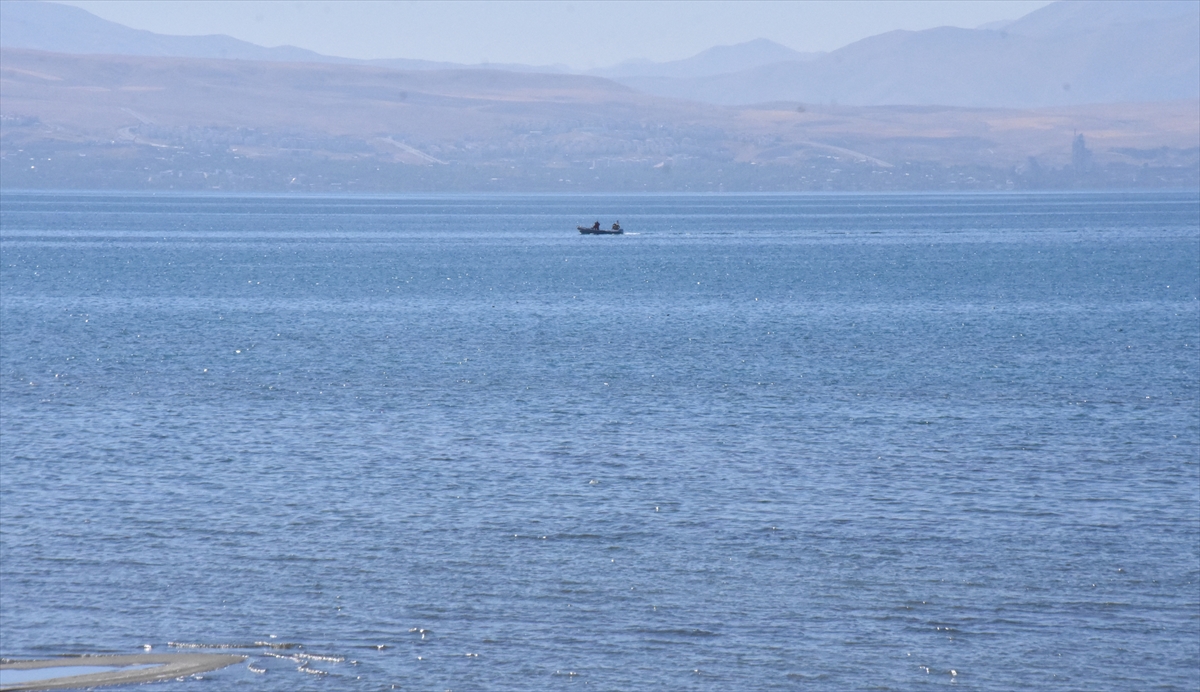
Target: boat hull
{"points": [[598, 231]]}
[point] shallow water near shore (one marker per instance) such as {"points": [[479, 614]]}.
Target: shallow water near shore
{"points": [[760, 442]]}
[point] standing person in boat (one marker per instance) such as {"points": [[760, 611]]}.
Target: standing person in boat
{"points": [[596, 226], [617, 226]]}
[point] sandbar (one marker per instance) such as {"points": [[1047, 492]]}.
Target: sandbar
{"points": [[169, 666]]}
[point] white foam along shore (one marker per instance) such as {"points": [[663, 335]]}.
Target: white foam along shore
{"points": [[134, 668]]}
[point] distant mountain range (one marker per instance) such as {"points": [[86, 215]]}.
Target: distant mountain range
{"points": [[48, 26], [89, 104], [714, 61], [1067, 53], [58, 28]]}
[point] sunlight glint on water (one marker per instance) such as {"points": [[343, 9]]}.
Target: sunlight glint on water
{"points": [[836, 441]]}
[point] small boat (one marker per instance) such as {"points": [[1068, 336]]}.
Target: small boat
{"points": [[596, 230]]}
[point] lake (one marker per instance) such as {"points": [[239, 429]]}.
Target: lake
{"points": [[759, 442]]}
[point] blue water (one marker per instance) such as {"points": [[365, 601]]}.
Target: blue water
{"points": [[761, 442]]}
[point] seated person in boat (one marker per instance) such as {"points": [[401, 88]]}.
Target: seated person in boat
{"points": [[617, 226]]}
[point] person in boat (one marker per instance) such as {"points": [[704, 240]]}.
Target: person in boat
{"points": [[596, 226], [617, 226]]}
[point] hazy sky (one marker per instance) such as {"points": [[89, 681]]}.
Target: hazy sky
{"points": [[579, 34]]}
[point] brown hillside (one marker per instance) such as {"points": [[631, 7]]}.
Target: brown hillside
{"points": [[529, 122]]}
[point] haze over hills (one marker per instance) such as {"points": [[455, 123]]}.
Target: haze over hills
{"points": [[138, 121], [49, 26], [280, 118], [59, 28], [714, 61], [1084, 51], [1072, 52]]}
